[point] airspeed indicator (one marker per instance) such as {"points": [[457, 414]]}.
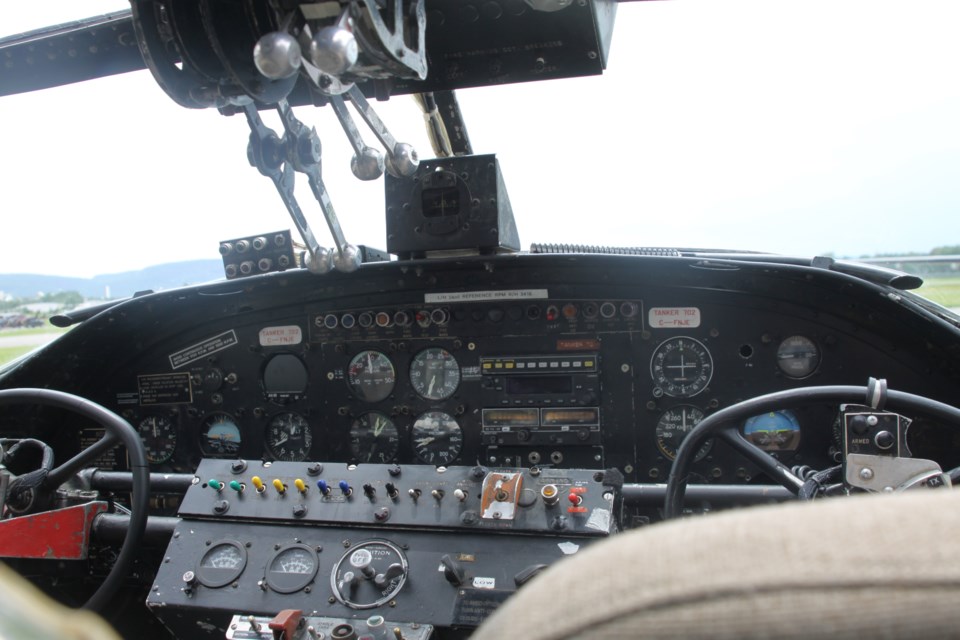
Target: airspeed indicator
{"points": [[673, 427]]}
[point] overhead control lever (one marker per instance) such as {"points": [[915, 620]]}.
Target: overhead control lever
{"points": [[278, 158]]}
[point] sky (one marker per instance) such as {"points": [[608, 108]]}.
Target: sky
{"points": [[803, 128]]}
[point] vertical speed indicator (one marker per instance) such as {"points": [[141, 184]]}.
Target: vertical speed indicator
{"points": [[681, 367]]}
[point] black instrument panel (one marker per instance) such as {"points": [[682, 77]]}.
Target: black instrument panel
{"points": [[572, 362]]}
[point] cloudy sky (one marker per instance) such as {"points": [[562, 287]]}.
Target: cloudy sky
{"points": [[794, 127]]}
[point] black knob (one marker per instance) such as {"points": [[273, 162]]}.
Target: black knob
{"points": [[884, 440], [859, 425], [299, 510], [452, 570]]}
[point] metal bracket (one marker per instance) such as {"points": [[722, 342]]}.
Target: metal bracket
{"points": [[889, 474]]}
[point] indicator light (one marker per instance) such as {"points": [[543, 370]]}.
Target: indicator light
{"points": [[570, 311], [237, 486], [279, 486], [550, 494], [216, 485], [301, 487], [257, 484]]}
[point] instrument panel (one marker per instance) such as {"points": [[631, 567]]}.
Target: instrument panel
{"points": [[516, 361], [536, 369]]}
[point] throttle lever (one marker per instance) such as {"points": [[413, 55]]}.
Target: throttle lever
{"points": [[303, 151], [266, 152]]}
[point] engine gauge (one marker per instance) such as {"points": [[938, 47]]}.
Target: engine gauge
{"points": [[159, 437], [437, 438], [369, 575], [371, 376], [681, 367], [374, 438], [435, 374], [773, 431], [674, 425], [221, 564], [220, 436], [798, 356], [292, 568], [289, 437]]}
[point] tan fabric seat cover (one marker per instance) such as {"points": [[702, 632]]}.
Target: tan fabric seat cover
{"points": [[868, 567]]}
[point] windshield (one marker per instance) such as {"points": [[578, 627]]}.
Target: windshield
{"points": [[805, 129]]}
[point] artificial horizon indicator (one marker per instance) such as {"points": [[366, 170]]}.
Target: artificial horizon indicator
{"points": [[220, 436]]}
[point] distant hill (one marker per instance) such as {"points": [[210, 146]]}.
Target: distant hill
{"points": [[121, 285]]}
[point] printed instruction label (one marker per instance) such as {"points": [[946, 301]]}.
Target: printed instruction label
{"points": [[164, 388], [485, 296], [202, 349], [674, 318], [280, 336]]}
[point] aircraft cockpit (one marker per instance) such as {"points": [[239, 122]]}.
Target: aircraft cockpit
{"points": [[401, 439]]}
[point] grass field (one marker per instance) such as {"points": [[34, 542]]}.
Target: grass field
{"points": [[8, 353], [945, 291]]}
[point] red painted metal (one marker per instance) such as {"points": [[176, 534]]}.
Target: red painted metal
{"points": [[61, 534]]}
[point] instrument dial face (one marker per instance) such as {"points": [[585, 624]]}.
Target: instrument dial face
{"points": [[292, 568], [435, 374], [798, 356], [374, 438], [369, 575], [159, 436], [773, 431], [681, 367], [289, 437], [220, 436], [437, 438], [371, 376], [674, 425], [221, 564]]}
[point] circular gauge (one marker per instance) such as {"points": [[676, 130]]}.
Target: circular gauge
{"points": [[289, 437], [674, 425], [773, 431], [798, 356], [369, 575], [437, 438], [292, 568], [221, 564], [435, 374], [374, 438], [371, 376], [159, 437], [220, 436], [681, 367]]}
